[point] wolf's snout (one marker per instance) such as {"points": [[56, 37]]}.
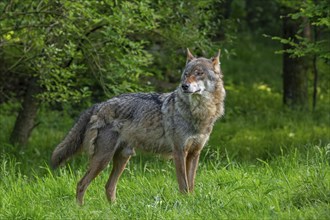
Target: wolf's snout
{"points": [[185, 86]]}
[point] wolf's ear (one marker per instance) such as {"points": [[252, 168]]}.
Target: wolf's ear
{"points": [[190, 57], [216, 62]]}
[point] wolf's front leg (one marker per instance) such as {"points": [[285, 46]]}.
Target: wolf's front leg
{"points": [[179, 157], [192, 164]]}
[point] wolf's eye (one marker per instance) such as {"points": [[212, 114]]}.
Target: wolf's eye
{"points": [[199, 73]]}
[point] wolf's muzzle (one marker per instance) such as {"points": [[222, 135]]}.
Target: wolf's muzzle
{"points": [[185, 87]]}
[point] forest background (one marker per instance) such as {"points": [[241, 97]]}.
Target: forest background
{"points": [[267, 158]]}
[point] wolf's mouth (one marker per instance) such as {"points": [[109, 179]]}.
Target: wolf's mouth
{"points": [[198, 91], [188, 92]]}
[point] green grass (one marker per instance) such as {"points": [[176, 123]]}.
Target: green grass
{"points": [[294, 185], [262, 161]]}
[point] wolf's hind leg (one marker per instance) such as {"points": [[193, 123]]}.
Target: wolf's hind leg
{"points": [[95, 167], [120, 160], [105, 148]]}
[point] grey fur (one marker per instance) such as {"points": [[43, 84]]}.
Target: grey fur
{"points": [[172, 124]]}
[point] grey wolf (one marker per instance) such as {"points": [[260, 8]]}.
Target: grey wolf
{"points": [[175, 124]]}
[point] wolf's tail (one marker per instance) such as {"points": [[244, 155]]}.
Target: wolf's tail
{"points": [[73, 142]]}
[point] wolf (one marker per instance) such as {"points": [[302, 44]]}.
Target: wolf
{"points": [[175, 124]]}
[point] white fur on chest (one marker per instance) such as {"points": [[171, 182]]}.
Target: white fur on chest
{"points": [[202, 105]]}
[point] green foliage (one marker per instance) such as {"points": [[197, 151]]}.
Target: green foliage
{"points": [[66, 44], [316, 13], [74, 48]]}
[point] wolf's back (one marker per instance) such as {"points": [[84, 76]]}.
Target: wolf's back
{"points": [[72, 143]]}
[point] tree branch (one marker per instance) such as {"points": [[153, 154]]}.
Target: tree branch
{"points": [[79, 47]]}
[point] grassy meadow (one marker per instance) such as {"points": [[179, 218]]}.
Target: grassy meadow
{"points": [[262, 161]]}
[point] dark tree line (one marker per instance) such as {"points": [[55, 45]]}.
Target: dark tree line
{"points": [[305, 39]]}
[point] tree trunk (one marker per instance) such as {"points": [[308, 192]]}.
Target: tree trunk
{"points": [[295, 78], [315, 71], [25, 120]]}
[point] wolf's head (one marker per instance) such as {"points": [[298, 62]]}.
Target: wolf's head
{"points": [[200, 75]]}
